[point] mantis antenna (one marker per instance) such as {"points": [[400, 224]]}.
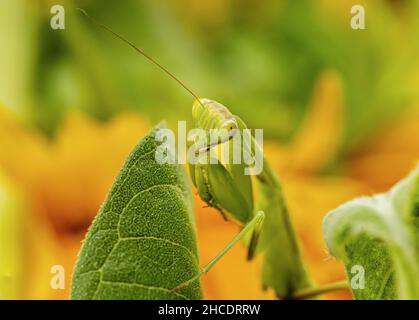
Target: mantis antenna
{"points": [[140, 51]]}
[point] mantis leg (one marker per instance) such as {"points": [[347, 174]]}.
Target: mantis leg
{"points": [[255, 238], [254, 225]]}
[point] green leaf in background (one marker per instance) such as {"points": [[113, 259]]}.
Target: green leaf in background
{"points": [[142, 243], [267, 54], [380, 233]]}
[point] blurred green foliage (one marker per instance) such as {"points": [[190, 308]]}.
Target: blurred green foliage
{"points": [[260, 58]]}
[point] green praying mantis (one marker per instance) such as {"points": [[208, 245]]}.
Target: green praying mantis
{"points": [[225, 186]]}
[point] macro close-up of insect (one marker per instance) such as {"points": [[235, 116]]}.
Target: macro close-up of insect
{"points": [[226, 187], [235, 155]]}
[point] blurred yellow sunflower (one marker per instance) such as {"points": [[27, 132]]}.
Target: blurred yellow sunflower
{"points": [[58, 185]]}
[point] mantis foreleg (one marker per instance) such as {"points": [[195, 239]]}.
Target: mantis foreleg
{"points": [[254, 224]]}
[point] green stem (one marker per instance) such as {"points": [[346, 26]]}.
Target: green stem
{"points": [[312, 292]]}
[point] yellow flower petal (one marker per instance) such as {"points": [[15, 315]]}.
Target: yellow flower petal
{"points": [[389, 155], [319, 137], [12, 214]]}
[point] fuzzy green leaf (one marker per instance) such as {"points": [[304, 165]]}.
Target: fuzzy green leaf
{"points": [[381, 234], [142, 243]]}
